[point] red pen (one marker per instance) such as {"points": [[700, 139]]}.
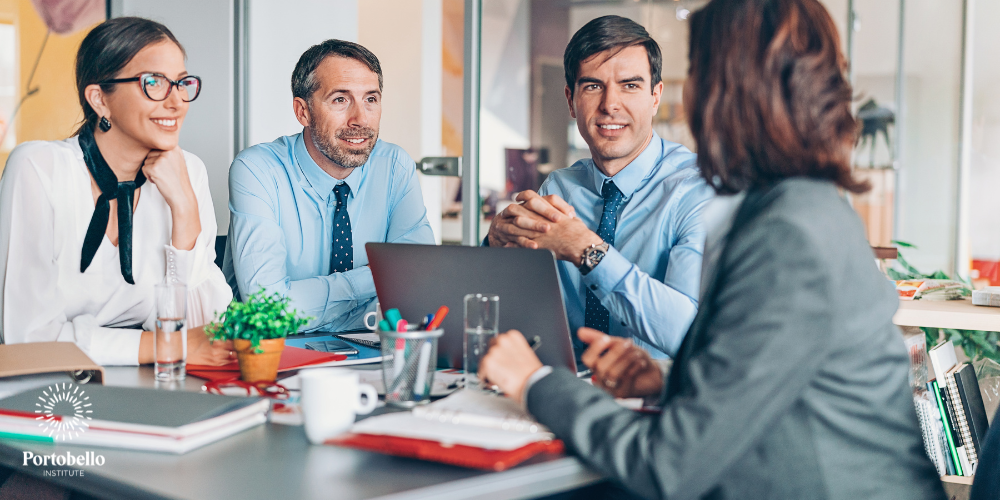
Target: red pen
{"points": [[438, 318]]}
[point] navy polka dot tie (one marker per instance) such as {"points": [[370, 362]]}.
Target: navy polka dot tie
{"points": [[596, 315], [343, 249]]}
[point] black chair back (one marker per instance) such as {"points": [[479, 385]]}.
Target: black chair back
{"points": [[220, 249]]}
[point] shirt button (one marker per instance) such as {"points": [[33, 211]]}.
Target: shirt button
{"points": [[593, 287]]}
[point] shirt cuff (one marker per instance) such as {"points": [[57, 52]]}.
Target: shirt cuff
{"points": [[361, 282], [179, 264], [110, 346], [486, 241], [534, 377], [603, 278]]}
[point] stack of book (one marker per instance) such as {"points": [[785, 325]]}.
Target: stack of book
{"points": [[124, 417], [951, 411]]}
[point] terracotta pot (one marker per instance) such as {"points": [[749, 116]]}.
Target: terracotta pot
{"points": [[261, 367]]}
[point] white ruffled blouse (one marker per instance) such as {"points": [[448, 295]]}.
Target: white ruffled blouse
{"points": [[46, 205]]}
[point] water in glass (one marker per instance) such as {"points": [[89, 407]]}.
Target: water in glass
{"points": [[170, 337], [477, 342], [168, 350]]}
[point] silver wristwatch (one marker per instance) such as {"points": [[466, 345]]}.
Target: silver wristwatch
{"points": [[592, 256]]}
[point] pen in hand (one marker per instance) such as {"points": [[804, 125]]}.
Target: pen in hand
{"points": [[535, 343]]}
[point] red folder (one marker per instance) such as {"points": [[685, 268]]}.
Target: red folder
{"points": [[460, 455], [292, 358]]}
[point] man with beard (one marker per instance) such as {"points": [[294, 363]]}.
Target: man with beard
{"points": [[304, 206]]}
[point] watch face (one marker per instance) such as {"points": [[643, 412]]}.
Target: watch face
{"points": [[595, 255]]}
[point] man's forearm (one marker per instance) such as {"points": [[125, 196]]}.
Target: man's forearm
{"points": [[648, 309], [328, 299]]}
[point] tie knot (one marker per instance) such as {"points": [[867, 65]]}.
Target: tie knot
{"points": [[341, 191], [611, 192]]}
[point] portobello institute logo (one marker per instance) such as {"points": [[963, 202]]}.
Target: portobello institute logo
{"points": [[64, 411]]}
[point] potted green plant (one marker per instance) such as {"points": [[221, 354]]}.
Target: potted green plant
{"points": [[258, 327]]}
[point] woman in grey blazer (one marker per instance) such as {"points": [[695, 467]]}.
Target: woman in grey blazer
{"points": [[792, 381]]}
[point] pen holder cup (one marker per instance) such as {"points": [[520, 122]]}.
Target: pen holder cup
{"points": [[408, 363]]}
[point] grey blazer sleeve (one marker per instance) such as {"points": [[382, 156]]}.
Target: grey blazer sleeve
{"points": [[751, 361]]}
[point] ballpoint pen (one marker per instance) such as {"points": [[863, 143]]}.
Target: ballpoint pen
{"points": [[426, 321], [535, 343]]}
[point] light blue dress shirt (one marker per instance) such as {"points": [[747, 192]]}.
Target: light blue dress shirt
{"points": [[649, 280], [281, 234]]}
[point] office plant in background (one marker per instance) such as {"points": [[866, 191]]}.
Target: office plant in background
{"points": [[258, 327]]}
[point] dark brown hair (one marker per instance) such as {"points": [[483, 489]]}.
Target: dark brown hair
{"points": [[613, 33], [767, 98], [304, 82], [107, 49]]}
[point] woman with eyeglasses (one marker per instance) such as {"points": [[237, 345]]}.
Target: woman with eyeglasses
{"points": [[90, 224]]}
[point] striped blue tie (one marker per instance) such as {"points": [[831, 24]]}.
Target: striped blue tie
{"points": [[343, 248], [596, 315]]}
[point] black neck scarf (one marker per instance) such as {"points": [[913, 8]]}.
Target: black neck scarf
{"points": [[124, 192]]}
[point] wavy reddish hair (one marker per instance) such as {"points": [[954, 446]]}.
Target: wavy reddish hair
{"points": [[767, 97]]}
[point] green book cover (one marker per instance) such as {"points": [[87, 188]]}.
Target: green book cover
{"points": [[947, 428]]}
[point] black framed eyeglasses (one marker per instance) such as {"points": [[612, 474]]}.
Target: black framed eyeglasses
{"points": [[157, 87]]}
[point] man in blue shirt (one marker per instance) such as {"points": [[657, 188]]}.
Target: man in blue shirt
{"points": [[304, 206], [626, 223]]}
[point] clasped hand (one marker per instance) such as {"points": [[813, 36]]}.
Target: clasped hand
{"points": [[542, 222], [620, 367]]}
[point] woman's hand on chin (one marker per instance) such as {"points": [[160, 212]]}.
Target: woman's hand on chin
{"points": [[203, 351], [168, 171]]}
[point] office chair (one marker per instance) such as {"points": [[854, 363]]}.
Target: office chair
{"points": [[986, 485], [220, 249]]}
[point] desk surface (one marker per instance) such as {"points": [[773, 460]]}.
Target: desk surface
{"points": [[276, 461], [958, 314]]}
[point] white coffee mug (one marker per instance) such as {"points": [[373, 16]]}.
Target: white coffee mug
{"points": [[375, 316], [330, 399]]}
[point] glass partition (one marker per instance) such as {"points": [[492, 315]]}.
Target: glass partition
{"points": [[911, 158], [985, 168]]}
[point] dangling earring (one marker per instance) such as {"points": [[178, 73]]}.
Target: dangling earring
{"points": [[104, 124]]}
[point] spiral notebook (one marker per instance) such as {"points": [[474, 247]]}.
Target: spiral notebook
{"points": [[369, 340], [468, 429]]}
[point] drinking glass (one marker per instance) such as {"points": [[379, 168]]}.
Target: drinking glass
{"points": [[482, 319], [170, 337]]}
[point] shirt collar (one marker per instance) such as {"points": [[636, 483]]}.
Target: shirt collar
{"points": [[628, 179], [321, 181]]}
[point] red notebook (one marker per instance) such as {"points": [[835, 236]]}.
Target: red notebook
{"points": [[292, 358], [460, 455]]}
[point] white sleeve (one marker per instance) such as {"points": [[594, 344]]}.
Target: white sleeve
{"points": [[208, 291], [32, 307]]}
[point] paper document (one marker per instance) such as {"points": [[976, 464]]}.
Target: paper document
{"points": [[468, 418], [410, 426]]}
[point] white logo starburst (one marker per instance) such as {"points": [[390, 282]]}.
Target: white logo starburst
{"points": [[68, 398]]}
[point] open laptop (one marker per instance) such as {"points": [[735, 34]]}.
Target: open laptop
{"points": [[417, 279]]}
